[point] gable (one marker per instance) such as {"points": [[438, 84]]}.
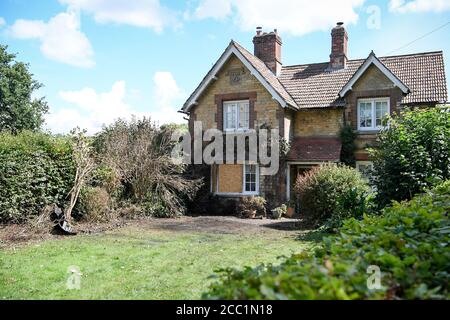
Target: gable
{"points": [[372, 61], [206, 109], [373, 79], [256, 68]]}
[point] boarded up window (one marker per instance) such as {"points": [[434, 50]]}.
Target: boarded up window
{"points": [[230, 178]]}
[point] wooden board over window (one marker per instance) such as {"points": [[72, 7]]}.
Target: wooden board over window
{"points": [[230, 178]]}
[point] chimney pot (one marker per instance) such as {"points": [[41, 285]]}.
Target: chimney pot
{"points": [[267, 47]]}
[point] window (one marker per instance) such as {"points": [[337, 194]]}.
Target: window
{"points": [[371, 113], [250, 179], [365, 167], [236, 115]]}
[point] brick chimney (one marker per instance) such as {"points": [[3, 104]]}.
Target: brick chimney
{"points": [[339, 40], [267, 47]]}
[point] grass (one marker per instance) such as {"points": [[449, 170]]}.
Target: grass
{"points": [[136, 263]]}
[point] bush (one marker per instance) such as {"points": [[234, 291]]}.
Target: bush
{"points": [[94, 204], [139, 155], [36, 170], [249, 207], [413, 154], [348, 136], [320, 190], [409, 243], [278, 212]]}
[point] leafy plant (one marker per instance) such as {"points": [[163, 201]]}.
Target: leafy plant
{"points": [[409, 243], [348, 136], [322, 188], [413, 154], [18, 109], [36, 170], [278, 212], [250, 206]]}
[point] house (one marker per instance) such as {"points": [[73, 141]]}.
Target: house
{"points": [[308, 104]]}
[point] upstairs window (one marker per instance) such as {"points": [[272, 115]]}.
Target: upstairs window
{"points": [[372, 112], [236, 115]]}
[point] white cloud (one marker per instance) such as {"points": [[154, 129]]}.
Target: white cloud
{"points": [[2, 22], [139, 13], [167, 98], [290, 17], [61, 38], [402, 6], [91, 110], [216, 9]]}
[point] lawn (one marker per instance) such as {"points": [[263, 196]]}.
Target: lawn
{"points": [[169, 259]]}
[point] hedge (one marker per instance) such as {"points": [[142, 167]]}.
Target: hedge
{"points": [[409, 243], [36, 169]]}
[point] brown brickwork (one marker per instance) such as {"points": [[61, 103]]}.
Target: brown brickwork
{"points": [[267, 47], [318, 122], [339, 40]]}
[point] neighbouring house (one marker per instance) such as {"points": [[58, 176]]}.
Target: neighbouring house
{"points": [[308, 103]]}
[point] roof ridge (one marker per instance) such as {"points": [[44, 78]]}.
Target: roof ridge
{"points": [[363, 59]]}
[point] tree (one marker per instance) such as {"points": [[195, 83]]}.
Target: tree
{"points": [[18, 109], [413, 154]]}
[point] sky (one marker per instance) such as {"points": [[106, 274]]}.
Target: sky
{"points": [[104, 59]]}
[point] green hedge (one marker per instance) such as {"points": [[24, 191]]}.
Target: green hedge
{"points": [[36, 170], [409, 243]]}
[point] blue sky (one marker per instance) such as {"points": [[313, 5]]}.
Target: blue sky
{"points": [[103, 59]]}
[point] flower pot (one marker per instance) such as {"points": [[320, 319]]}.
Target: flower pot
{"points": [[290, 212]]}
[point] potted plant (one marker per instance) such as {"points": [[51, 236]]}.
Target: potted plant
{"points": [[278, 212], [290, 209]]}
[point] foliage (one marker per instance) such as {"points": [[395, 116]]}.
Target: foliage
{"points": [[353, 203], [36, 170], [413, 154], [347, 136], [84, 165], [94, 204], [138, 154], [251, 206], [280, 211], [18, 109], [320, 189], [409, 243]]}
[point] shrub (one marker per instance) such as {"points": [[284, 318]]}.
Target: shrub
{"points": [[139, 155], [36, 170], [320, 189], [249, 207], [347, 136], [409, 243], [413, 154], [278, 212], [94, 204]]}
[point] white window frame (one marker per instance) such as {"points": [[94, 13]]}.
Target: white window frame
{"points": [[238, 103], [256, 192], [373, 101], [363, 163]]}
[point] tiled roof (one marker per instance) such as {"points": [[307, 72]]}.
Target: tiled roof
{"points": [[315, 86], [266, 73], [315, 149]]}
